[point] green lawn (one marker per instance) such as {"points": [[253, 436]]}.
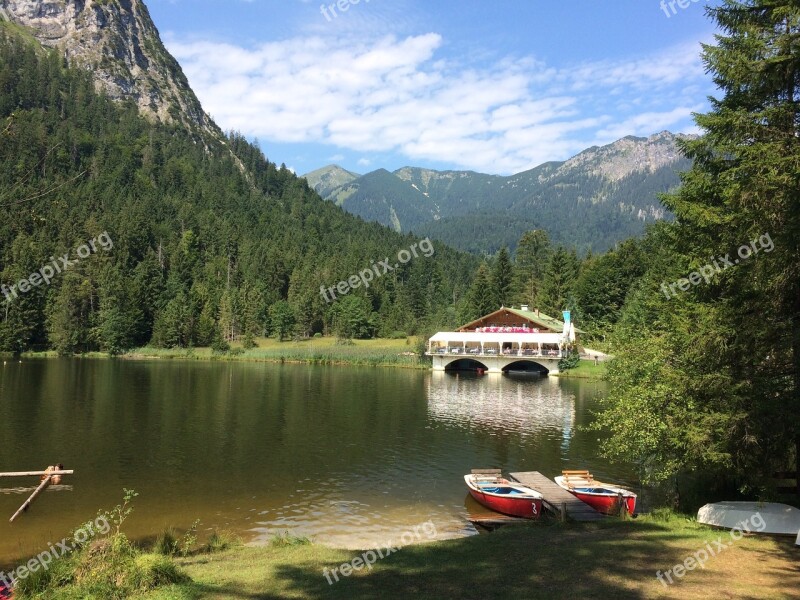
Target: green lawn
{"points": [[323, 350], [610, 560], [586, 369]]}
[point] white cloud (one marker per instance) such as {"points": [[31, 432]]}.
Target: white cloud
{"points": [[404, 95]]}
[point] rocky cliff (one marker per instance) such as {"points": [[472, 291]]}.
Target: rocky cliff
{"points": [[118, 42]]}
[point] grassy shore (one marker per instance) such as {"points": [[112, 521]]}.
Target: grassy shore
{"points": [[323, 350], [613, 559], [586, 369], [379, 352]]}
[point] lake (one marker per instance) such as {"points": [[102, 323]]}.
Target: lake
{"points": [[352, 457]]}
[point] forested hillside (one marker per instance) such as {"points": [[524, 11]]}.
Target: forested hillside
{"points": [[600, 197], [211, 242]]}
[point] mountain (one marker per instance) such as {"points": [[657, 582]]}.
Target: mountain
{"points": [[324, 180], [597, 198], [381, 196], [199, 243], [117, 41]]}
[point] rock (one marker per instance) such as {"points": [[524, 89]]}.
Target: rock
{"points": [[118, 42]]}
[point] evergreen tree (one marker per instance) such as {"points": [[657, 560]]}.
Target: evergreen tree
{"points": [[603, 285], [480, 299], [282, 320], [352, 318], [502, 279], [559, 279], [708, 376], [530, 262]]}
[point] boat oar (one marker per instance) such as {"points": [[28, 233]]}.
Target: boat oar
{"points": [[42, 487]]}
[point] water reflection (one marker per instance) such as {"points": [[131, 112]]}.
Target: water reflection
{"points": [[522, 405]]}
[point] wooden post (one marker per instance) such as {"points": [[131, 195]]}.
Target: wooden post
{"points": [[623, 506], [34, 473], [563, 511], [42, 487]]}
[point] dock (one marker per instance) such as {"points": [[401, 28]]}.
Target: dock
{"points": [[557, 498]]}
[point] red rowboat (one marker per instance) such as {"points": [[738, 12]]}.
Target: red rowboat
{"points": [[505, 497], [603, 497], [5, 592]]}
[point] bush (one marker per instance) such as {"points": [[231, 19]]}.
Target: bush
{"points": [[287, 539], [111, 568], [398, 335], [249, 341], [153, 570], [166, 543], [219, 344], [570, 361], [217, 542], [663, 514]]}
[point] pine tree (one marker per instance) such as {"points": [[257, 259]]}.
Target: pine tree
{"points": [[559, 279], [480, 298], [282, 319], [709, 376], [502, 279], [530, 262]]}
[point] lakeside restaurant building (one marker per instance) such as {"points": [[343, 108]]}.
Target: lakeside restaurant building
{"points": [[508, 339]]}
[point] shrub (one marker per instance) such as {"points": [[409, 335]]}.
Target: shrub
{"points": [[663, 514], [110, 568], [166, 543], [217, 542], [570, 361], [287, 539]]}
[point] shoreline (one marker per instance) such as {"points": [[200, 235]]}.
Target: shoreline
{"points": [[379, 352]]}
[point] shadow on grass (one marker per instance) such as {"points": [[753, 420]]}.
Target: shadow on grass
{"points": [[540, 562]]}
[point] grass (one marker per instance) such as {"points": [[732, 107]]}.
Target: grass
{"points": [[586, 369], [614, 559], [323, 350]]}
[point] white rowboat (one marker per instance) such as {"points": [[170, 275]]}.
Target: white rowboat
{"points": [[755, 517]]}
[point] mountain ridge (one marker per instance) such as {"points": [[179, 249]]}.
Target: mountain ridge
{"points": [[593, 200]]}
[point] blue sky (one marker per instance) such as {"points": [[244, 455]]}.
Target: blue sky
{"points": [[497, 87]]}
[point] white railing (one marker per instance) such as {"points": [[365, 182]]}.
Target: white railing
{"points": [[491, 352]]}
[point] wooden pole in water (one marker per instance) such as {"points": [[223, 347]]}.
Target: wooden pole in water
{"points": [[33, 473], [622, 506], [42, 487]]}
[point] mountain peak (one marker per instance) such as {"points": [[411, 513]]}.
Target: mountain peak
{"points": [[324, 180], [628, 155], [118, 42]]}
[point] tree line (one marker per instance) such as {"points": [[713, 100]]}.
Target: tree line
{"points": [[213, 243]]}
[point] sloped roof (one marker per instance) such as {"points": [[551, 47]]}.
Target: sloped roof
{"points": [[541, 319]]}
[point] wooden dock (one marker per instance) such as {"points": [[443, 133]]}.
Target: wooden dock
{"points": [[556, 497]]}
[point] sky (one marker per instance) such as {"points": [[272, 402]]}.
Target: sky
{"points": [[496, 87]]}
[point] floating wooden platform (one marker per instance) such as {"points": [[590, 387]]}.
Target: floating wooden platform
{"points": [[493, 521], [556, 497]]}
